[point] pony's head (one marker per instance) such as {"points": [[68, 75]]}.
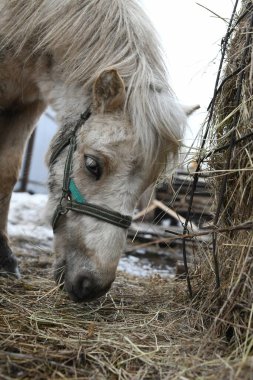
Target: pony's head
{"points": [[108, 168]]}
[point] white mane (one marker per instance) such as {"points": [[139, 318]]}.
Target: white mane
{"points": [[89, 36]]}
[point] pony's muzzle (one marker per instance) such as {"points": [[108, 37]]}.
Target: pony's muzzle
{"points": [[85, 288]]}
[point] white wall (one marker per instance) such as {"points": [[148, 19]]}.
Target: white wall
{"points": [[191, 37]]}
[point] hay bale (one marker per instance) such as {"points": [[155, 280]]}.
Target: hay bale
{"points": [[231, 173]]}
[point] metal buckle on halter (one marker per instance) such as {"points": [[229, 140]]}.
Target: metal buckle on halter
{"points": [[62, 206]]}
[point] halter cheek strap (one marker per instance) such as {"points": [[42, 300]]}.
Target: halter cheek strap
{"points": [[72, 199]]}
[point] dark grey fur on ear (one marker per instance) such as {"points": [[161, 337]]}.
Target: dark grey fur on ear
{"points": [[108, 92]]}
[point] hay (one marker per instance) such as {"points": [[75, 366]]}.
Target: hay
{"points": [[143, 329], [148, 328]]}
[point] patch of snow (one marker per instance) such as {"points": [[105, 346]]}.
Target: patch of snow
{"points": [[26, 217], [143, 267]]}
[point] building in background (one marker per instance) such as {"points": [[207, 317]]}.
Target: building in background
{"points": [[34, 172]]}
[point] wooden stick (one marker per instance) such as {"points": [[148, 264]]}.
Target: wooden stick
{"points": [[243, 226], [173, 214], [145, 211]]}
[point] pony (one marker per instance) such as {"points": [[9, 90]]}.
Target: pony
{"points": [[99, 64]]}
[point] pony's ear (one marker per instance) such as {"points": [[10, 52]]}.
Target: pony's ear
{"points": [[108, 92], [189, 110]]}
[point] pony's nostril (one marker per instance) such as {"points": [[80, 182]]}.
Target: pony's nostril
{"points": [[82, 288]]}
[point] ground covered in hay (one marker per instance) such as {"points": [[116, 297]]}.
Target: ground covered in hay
{"points": [[144, 328]]}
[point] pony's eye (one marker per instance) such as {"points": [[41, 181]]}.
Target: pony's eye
{"points": [[93, 166]]}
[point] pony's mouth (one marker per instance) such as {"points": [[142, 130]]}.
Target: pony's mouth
{"points": [[59, 273]]}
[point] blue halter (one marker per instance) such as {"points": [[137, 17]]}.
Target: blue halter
{"points": [[75, 193]]}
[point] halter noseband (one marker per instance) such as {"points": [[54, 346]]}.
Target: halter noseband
{"points": [[71, 198]]}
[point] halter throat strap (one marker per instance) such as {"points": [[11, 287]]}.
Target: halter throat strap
{"points": [[71, 198]]}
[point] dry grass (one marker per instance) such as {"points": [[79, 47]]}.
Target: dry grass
{"points": [[148, 328], [143, 329]]}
